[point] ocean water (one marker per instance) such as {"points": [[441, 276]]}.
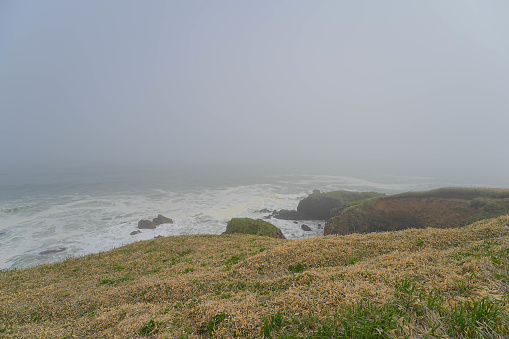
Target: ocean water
{"points": [[48, 217]]}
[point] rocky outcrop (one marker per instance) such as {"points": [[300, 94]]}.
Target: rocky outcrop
{"points": [[252, 226], [440, 208], [291, 215], [322, 206], [146, 224], [305, 228], [161, 219]]}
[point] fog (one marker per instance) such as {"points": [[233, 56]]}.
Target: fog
{"points": [[394, 87]]}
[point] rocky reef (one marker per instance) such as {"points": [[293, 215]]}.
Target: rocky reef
{"points": [[252, 226], [440, 208], [159, 220]]}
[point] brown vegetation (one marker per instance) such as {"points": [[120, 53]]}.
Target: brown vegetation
{"points": [[411, 283]]}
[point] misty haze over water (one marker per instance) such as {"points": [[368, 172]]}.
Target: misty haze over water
{"points": [[324, 87]]}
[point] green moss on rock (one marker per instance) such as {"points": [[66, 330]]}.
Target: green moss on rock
{"points": [[255, 227]]}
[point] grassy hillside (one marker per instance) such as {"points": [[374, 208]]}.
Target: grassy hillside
{"points": [[426, 283]]}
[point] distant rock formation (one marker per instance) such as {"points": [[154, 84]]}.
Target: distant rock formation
{"points": [[440, 208], [322, 206], [146, 224], [252, 226], [161, 219]]}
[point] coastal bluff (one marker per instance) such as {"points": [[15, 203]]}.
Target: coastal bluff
{"points": [[448, 207]]}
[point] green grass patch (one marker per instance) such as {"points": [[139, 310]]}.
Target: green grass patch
{"points": [[151, 327], [214, 322], [297, 268]]}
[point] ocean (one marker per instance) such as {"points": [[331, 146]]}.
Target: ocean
{"points": [[46, 217]]}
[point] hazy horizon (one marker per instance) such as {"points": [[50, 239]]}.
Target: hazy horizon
{"points": [[391, 88]]}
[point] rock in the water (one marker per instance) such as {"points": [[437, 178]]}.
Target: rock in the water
{"points": [[295, 222], [265, 210], [146, 224], [291, 215], [305, 227], [61, 249], [252, 226], [161, 219], [135, 232], [440, 208], [322, 206]]}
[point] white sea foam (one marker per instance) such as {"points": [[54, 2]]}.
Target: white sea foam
{"points": [[91, 222]]}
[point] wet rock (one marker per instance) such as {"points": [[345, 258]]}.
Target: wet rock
{"points": [[146, 224], [135, 232], [264, 211], [58, 250], [291, 215], [161, 219], [295, 222], [305, 227]]}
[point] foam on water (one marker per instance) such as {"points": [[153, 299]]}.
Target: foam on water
{"points": [[48, 228]]}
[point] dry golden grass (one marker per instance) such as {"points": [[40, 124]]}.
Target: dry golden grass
{"points": [[250, 286]]}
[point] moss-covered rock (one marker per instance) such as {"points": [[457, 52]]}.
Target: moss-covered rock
{"points": [[322, 206], [440, 208], [255, 227]]}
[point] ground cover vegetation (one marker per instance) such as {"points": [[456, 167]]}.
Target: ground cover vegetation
{"points": [[415, 283]]}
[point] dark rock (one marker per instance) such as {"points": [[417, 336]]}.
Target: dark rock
{"points": [[146, 224], [61, 249], [251, 226], [295, 222], [440, 208], [291, 215], [319, 226], [264, 211], [135, 232], [158, 236], [322, 206], [161, 219], [315, 191], [305, 227]]}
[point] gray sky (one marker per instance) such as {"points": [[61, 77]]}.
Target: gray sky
{"points": [[403, 87]]}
